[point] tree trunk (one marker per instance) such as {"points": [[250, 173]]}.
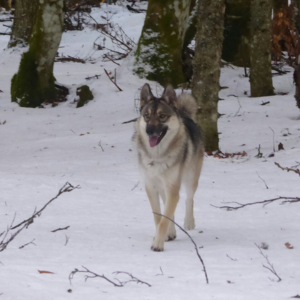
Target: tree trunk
{"points": [[34, 82], [25, 18], [208, 51], [260, 54], [159, 52], [236, 45], [296, 17], [5, 4]]}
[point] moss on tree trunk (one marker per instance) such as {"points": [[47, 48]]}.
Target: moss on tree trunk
{"points": [[208, 50], [159, 51], [34, 82], [260, 51]]}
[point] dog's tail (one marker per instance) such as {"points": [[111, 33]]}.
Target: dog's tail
{"points": [[187, 106]]}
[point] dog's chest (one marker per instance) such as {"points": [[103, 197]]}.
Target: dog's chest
{"points": [[157, 166]]}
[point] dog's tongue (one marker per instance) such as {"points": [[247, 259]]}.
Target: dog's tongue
{"points": [[153, 140]]}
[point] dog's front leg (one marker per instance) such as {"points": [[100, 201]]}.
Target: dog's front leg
{"points": [[153, 197], [172, 193]]}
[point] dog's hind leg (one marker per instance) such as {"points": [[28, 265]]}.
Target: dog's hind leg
{"points": [[191, 184]]}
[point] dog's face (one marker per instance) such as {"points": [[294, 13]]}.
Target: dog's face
{"points": [[158, 113]]}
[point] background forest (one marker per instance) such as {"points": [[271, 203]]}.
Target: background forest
{"points": [[75, 220]]}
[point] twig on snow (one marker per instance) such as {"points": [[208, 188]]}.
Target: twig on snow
{"points": [[58, 229], [32, 242], [196, 247], [262, 180], [67, 187], [297, 171], [264, 202], [130, 121], [117, 283], [270, 267], [113, 81]]}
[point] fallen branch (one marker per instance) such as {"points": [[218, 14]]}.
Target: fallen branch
{"points": [[270, 267], [91, 77], [130, 121], [297, 171], [196, 247], [32, 242], [58, 229], [113, 81], [117, 283], [264, 202], [67, 187]]}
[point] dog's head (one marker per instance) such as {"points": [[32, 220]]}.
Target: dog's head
{"points": [[157, 112]]}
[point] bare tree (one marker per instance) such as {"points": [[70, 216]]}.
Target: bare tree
{"points": [[260, 50], [208, 51], [34, 83], [159, 52]]}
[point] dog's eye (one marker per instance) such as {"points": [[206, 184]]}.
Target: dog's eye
{"points": [[162, 116], [146, 116]]}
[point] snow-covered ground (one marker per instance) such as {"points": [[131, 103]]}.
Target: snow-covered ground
{"points": [[111, 224]]}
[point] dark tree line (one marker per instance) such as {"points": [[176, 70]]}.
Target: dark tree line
{"points": [[239, 31]]}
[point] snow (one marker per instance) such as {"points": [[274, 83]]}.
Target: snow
{"points": [[111, 224]]}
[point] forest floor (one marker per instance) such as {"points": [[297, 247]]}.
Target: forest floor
{"points": [[109, 221]]}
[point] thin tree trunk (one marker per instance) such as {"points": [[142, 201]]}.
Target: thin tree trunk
{"points": [[25, 18], [236, 45], [260, 54], [5, 4], [159, 51], [296, 5], [208, 51], [34, 82]]}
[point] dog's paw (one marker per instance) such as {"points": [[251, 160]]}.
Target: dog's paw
{"points": [[170, 238], [171, 233], [157, 245], [189, 224]]}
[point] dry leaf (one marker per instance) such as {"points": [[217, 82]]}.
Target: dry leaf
{"points": [[81, 134], [230, 282], [289, 246], [45, 272]]}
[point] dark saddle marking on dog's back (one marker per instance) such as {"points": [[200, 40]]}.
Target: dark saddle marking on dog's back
{"points": [[193, 130]]}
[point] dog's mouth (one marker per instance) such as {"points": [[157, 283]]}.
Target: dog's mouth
{"points": [[155, 139]]}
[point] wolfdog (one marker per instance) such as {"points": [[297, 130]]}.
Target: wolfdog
{"points": [[170, 152]]}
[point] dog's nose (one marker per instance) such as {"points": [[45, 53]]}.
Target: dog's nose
{"points": [[151, 129]]}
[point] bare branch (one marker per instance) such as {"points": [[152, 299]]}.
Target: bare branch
{"points": [[264, 202], [270, 267], [116, 283], [58, 229], [297, 171], [196, 247], [32, 242], [263, 181], [113, 81], [26, 223]]}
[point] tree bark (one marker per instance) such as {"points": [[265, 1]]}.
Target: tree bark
{"points": [[260, 54], [34, 82], [236, 45], [5, 4], [159, 52], [25, 18], [208, 51]]}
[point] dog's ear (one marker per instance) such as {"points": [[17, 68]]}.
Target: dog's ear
{"points": [[169, 95], [146, 95]]}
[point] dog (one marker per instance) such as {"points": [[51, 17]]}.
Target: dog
{"points": [[170, 152]]}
